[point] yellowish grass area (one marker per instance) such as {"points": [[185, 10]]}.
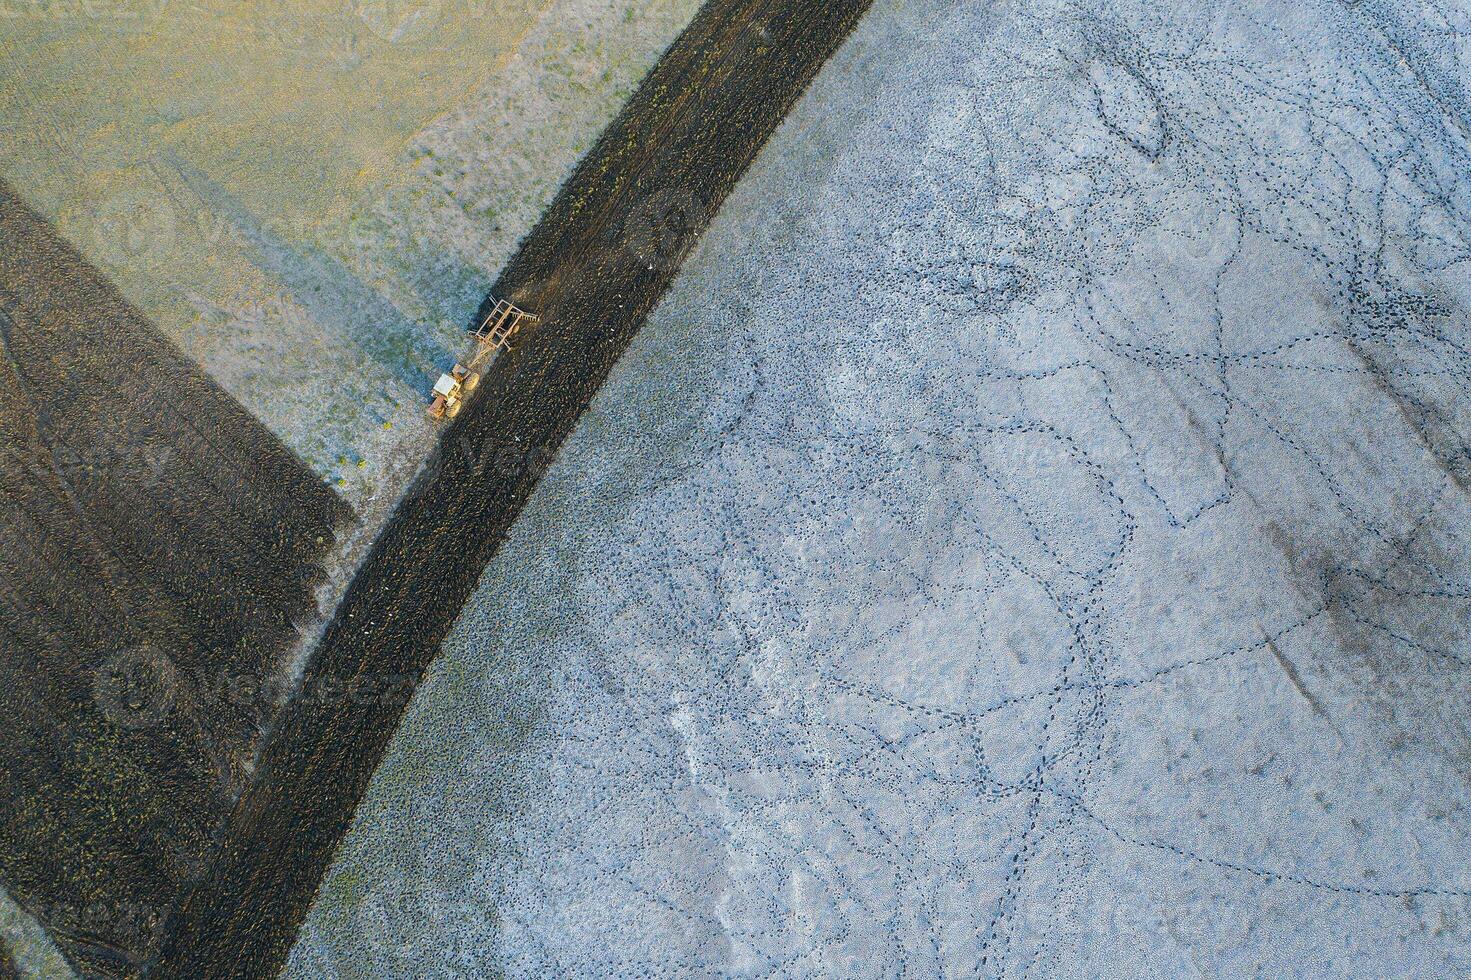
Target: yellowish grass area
{"points": [[297, 107], [312, 196]]}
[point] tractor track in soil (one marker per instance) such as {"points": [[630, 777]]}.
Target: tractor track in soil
{"points": [[594, 268]]}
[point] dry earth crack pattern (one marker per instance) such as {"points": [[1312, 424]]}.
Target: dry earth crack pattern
{"points": [[1057, 565]]}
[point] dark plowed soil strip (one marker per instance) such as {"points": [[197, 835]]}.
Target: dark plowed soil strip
{"points": [[157, 543], [601, 258]]}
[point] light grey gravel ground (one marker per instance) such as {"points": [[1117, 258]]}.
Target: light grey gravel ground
{"points": [[23, 938], [1031, 540]]}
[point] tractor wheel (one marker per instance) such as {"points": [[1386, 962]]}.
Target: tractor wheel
{"points": [[471, 382], [453, 410]]}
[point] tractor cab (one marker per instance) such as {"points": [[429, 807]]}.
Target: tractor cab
{"points": [[492, 336]]}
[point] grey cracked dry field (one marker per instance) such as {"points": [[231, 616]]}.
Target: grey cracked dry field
{"points": [[913, 592]]}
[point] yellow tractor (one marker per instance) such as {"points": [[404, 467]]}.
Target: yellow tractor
{"points": [[493, 335]]}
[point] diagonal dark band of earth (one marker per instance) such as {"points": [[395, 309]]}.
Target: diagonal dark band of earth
{"points": [[155, 540], [601, 258]]}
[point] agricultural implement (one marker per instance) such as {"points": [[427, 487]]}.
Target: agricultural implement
{"points": [[493, 335]]}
